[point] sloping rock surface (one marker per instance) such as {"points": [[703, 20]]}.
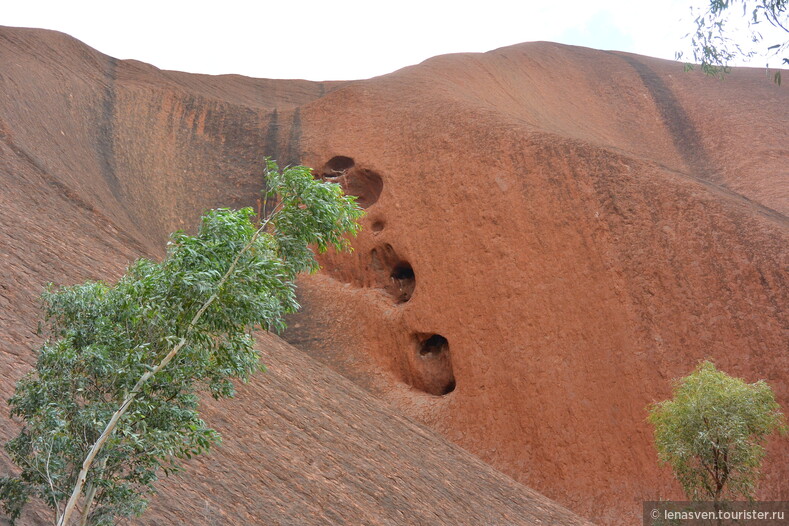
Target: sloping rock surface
{"points": [[303, 445], [553, 234]]}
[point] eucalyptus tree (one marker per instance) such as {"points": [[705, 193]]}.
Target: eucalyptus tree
{"points": [[725, 30], [112, 402], [712, 433]]}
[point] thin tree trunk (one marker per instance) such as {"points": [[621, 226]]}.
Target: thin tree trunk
{"points": [[90, 494]]}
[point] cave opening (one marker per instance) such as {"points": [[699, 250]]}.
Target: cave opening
{"points": [[433, 346], [403, 280], [433, 365], [366, 185], [363, 183], [338, 165]]}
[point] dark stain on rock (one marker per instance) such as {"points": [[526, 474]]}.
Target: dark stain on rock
{"points": [[271, 141], [293, 152], [105, 136], [684, 135]]}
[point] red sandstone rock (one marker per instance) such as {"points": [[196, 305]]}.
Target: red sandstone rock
{"points": [[581, 227], [553, 234]]}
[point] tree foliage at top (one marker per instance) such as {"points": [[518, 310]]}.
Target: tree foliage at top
{"points": [[723, 34], [141, 350], [712, 432]]}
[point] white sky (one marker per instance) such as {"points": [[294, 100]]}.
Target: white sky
{"points": [[346, 39]]}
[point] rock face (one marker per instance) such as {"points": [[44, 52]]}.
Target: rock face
{"points": [[553, 234], [559, 233]]}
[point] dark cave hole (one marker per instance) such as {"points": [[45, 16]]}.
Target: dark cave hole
{"points": [[363, 183], [448, 388], [434, 374], [434, 346], [338, 165], [404, 281]]}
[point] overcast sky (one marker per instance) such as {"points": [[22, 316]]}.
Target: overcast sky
{"points": [[346, 39]]}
